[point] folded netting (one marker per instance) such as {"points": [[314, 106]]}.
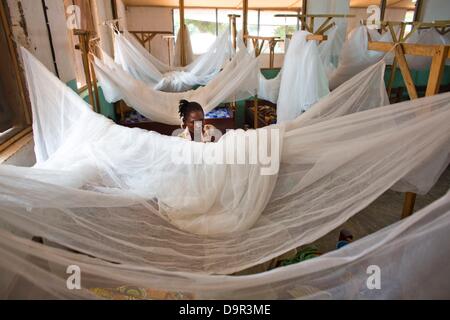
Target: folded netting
{"points": [[303, 70], [407, 260], [138, 62], [356, 56], [329, 52], [188, 52], [238, 80], [126, 196]]}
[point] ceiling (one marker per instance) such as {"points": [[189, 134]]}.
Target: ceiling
{"points": [[261, 4]]}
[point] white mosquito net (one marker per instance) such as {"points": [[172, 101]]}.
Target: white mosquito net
{"points": [[238, 80], [138, 62], [115, 195], [299, 59], [411, 256], [303, 69], [189, 53]]}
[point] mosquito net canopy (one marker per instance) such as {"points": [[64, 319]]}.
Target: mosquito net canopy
{"points": [[138, 62], [140, 216]]}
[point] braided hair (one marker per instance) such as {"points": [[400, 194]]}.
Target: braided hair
{"points": [[187, 107]]}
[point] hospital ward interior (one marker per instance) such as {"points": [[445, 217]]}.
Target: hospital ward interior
{"points": [[224, 150]]}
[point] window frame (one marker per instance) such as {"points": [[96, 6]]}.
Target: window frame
{"points": [[14, 134]]}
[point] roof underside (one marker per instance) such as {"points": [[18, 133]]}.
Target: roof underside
{"points": [[260, 4]]}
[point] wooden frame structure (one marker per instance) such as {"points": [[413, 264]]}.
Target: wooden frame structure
{"points": [[232, 21], [438, 53], [308, 21], [146, 37], [86, 47], [401, 36]]}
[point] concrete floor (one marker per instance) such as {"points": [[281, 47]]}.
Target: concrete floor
{"points": [[384, 211]]}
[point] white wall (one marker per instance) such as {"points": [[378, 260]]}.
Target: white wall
{"points": [[122, 15], [152, 19], [30, 30], [102, 11], [361, 14], [435, 10]]}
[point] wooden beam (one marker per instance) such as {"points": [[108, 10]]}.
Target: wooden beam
{"points": [[245, 19], [424, 50], [408, 205], [403, 66], [418, 11], [437, 70], [232, 18], [304, 12], [382, 9], [182, 35]]}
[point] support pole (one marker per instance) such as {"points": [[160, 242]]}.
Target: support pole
{"points": [[233, 27], [83, 46], [418, 11], [304, 12], [245, 19], [182, 35], [255, 112], [382, 9]]}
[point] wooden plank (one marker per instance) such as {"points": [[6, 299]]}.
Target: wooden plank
{"points": [[316, 37], [408, 205], [437, 70], [408, 48], [245, 19], [403, 65], [392, 77], [182, 35], [16, 146]]}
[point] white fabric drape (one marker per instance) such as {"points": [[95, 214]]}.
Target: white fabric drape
{"points": [[303, 70], [116, 194], [189, 53], [412, 256], [238, 80], [138, 62]]}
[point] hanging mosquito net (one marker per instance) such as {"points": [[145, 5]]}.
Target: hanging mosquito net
{"points": [[136, 212], [138, 62], [238, 80]]}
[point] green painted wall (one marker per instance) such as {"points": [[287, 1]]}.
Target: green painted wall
{"points": [[107, 109]]}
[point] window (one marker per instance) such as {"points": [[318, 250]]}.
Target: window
{"points": [[14, 116], [202, 27], [409, 17], [205, 24], [271, 26]]}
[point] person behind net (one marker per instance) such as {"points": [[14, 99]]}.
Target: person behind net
{"points": [[193, 123]]}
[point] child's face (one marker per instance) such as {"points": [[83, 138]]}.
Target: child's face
{"points": [[195, 118]]}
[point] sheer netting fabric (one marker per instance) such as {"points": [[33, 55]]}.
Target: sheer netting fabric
{"points": [[133, 207]]}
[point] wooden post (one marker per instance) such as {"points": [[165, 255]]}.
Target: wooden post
{"points": [[382, 9], [418, 11], [304, 12], [437, 70], [182, 35], [83, 46], [255, 112], [245, 20], [232, 18]]}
